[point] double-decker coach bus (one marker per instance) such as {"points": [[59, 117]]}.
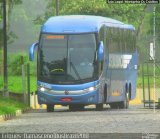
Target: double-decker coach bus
{"points": [[83, 60]]}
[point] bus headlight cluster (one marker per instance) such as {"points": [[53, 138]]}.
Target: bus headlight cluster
{"points": [[43, 89], [91, 88]]}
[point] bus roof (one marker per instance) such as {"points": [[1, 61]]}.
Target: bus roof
{"points": [[80, 24]]}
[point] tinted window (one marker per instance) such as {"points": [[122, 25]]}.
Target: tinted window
{"points": [[114, 40], [67, 58]]}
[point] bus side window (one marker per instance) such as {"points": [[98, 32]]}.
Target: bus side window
{"points": [[125, 41], [101, 34], [120, 37], [134, 40], [108, 40], [129, 45], [115, 41], [112, 42], [130, 39]]}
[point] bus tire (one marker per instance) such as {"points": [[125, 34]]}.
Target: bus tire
{"points": [[76, 107], [130, 91], [50, 108], [99, 107], [125, 104], [105, 93]]}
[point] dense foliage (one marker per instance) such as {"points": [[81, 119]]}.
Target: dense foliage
{"points": [[127, 13], [10, 4]]}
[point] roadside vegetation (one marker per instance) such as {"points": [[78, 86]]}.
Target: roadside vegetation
{"points": [[15, 84], [15, 74], [10, 106]]}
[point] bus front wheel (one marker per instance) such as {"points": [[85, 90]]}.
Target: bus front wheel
{"points": [[50, 108]]}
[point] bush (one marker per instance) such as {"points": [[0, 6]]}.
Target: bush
{"points": [[9, 106], [15, 64]]}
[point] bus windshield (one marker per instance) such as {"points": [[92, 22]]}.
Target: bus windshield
{"points": [[66, 59]]}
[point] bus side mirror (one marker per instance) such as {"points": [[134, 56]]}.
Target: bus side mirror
{"points": [[101, 51], [31, 51]]}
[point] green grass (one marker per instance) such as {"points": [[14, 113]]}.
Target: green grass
{"points": [[1, 82], [148, 71], [15, 84], [8, 106], [151, 82]]}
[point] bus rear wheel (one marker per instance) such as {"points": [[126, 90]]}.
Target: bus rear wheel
{"points": [[125, 104], [99, 107], [50, 108]]}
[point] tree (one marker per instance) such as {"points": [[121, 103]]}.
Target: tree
{"points": [[128, 13], [157, 19], [10, 4]]}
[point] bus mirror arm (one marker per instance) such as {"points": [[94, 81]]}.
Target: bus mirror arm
{"points": [[101, 51], [31, 51]]}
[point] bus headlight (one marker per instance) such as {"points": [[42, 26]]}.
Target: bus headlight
{"points": [[42, 89], [91, 88]]}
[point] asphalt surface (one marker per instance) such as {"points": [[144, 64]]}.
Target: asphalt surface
{"points": [[136, 119]]}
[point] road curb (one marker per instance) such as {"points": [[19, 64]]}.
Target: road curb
{"points": [[13, 115]]}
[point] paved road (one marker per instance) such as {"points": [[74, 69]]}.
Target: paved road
{"points": [[133, 120]]}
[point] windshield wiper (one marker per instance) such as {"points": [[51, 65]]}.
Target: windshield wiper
{"points": [[75, 70]]}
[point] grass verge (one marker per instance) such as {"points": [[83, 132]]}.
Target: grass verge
{"points": [[10, 106], [15, 84]]}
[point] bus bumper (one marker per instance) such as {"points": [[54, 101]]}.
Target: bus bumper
{"points": [[86, 99]]}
